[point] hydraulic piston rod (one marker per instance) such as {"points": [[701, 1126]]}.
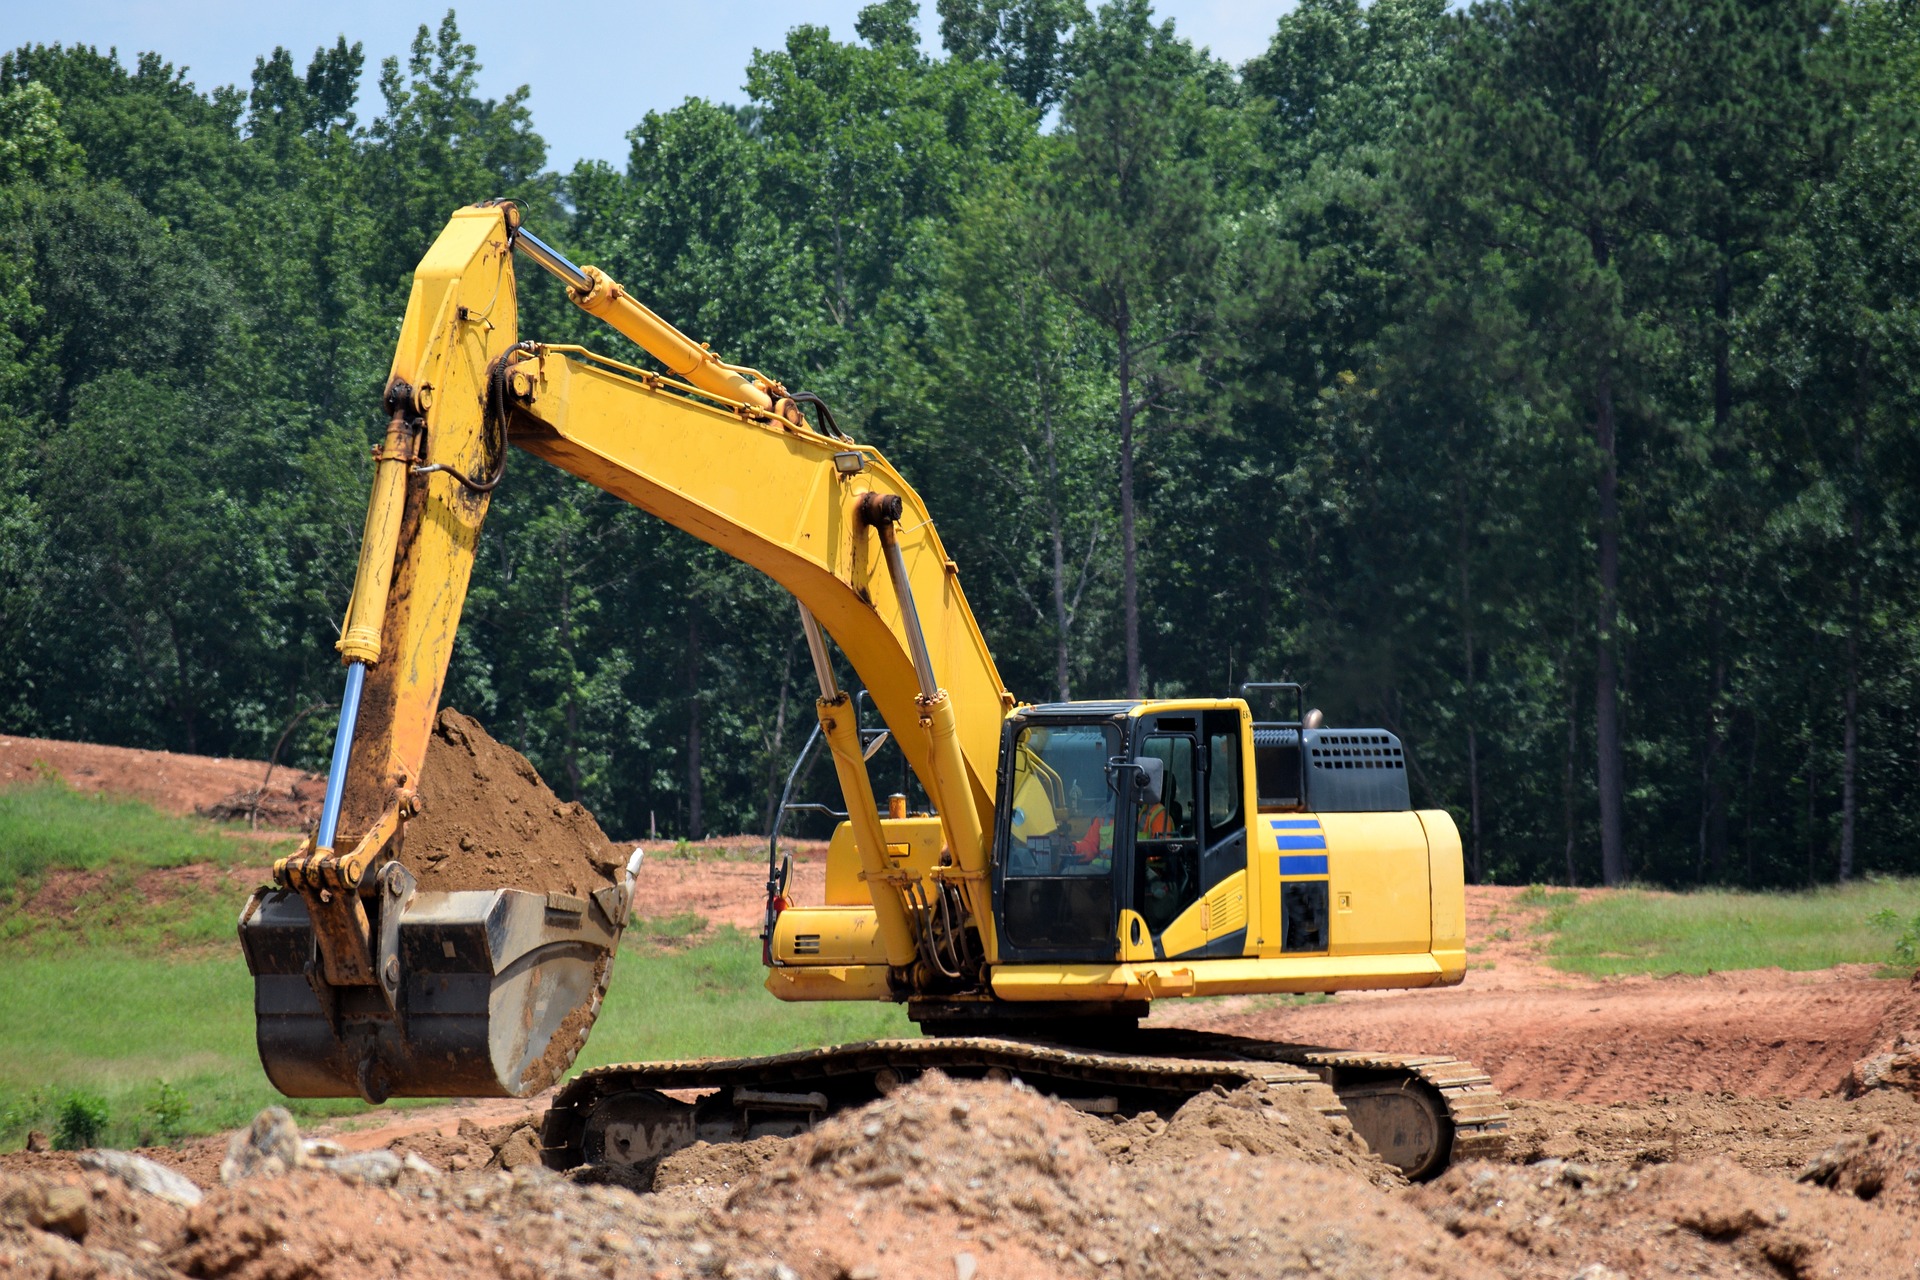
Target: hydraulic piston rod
{"points": [[595, 294]]}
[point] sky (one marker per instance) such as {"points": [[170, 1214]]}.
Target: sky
{"points": [[595, 67]]}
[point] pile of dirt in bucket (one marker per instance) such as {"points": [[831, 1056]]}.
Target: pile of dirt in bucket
{"points": [[488, 821]]}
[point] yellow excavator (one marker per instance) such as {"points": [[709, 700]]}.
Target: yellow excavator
{"points": [[1074, 863]]}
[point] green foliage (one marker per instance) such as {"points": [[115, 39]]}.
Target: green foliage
{"points": [[1905, 950], [48, 824], [1648, 931], [1293, 370], [170, 1110], [157, 1047], [83, 1118]]}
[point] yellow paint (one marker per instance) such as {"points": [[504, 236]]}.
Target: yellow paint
{"points": [[1449, 881], [1131, 924], [1187, 932], [1226, 906], [1379, 861], [913, 846], [849, 982], [869, 842], [815, 936], [1138, 980]]}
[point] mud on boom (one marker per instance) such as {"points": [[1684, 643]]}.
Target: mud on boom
{"points": [[1075, 862]]}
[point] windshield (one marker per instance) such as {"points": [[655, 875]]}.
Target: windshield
{"points": [[1062, 816]]}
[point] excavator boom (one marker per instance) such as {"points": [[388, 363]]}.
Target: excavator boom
{"points": [[342, 943]]}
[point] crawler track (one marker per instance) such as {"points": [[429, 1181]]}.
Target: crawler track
{"points": [[1419, 1112]]}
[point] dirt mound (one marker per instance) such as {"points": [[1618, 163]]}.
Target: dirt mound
{"points": [[717, 1165], [944, 1177], [1882, 1166], [949, 1180], [487, 821], [1766, 1135], [167, 780], [1708, 1219], [1252, 1120], [66, 1223], [1892, 1059]]}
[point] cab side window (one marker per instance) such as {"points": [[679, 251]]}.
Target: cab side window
{"points": [[1171, 814], [1223, 781]]}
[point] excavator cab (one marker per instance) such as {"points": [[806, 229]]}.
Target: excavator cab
{"points": [[1123, 816]]}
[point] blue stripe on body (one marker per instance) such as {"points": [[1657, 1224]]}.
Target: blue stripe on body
{"points": [[1303, 865], [1303, 842], [1294, 824]]}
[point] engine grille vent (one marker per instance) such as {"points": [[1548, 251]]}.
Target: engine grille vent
{"points": [[1357, 751]]}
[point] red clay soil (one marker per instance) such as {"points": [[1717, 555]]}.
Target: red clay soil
{"points": [[952, 1181], [1760, 1033], [168, 781], [725, 891], [487, 821], [60, 893]]}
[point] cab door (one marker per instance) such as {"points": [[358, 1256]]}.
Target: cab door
{"points": [[1166, 828], [1223, 857], [1057, 857]]}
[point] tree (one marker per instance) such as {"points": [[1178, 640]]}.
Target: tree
{"points": [[1026, 39], [1130, 231], [1570, 131]]}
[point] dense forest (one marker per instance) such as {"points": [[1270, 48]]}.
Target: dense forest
{"points": [[1539, 381]]}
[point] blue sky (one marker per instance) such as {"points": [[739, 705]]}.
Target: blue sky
{"points": [[594, 66]]}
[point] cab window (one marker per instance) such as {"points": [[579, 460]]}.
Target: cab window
{"points": [[1223, 780], [1172, 813]]}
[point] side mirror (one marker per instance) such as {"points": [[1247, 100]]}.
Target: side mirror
{"points": [[1147, 773]]}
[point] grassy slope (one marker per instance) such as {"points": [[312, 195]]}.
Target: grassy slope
{"points": [[1642, 931], [124, 994], [48, 824]]}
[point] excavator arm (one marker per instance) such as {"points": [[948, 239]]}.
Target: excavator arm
{"points": [[720, 451]]}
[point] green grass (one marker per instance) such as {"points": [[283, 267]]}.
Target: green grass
{"points": [[709, 1000], [48, 824], [133, 1016], [140, 1032], [1642, 931], [166, 1045]]}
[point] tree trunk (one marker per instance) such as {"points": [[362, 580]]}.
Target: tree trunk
{"points": [[1062, 623], [1611, 763], [695, 819], [570, 753], [1850, 733], [1568, 776], [1712, 856], [1130, 586], [1474, 870], [1812, 844]]}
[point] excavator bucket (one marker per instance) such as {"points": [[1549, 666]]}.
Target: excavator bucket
{"points": [[495, 992]]}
